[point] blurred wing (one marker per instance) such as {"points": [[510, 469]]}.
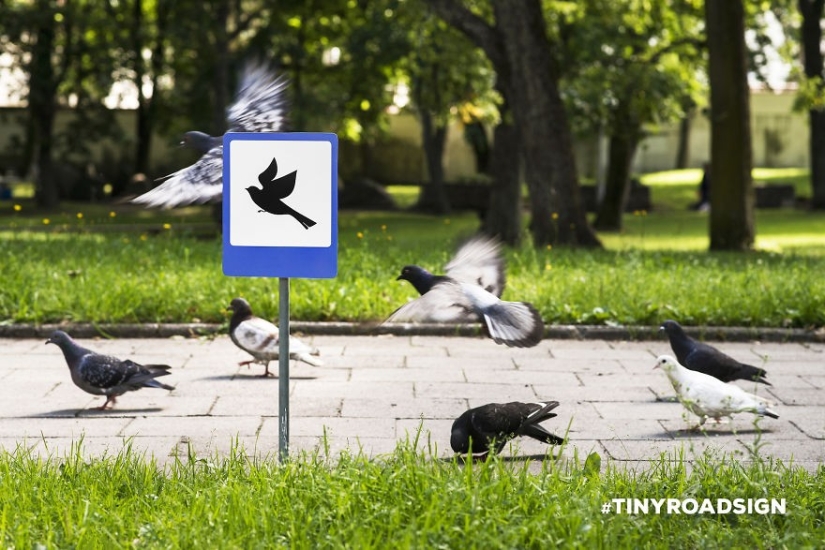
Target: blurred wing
{"points": [[479, 262], [444, 303], [260, 105], [199, 183]]}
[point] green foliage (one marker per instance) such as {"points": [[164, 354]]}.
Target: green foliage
{"points": [[404, 500]]}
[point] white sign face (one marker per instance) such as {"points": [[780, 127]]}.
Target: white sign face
{"points": [[280, 193]]}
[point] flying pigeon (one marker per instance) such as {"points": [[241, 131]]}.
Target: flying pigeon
{"points": [[259, 106], [106, 375], [273, 189], [706, 396], [259, 338], [470, 292], [489, 427], [704, 358]]}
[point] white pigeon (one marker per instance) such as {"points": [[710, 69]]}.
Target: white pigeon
{"points": [[708, 397], [470, 292], [259, 106], [259, 338]]}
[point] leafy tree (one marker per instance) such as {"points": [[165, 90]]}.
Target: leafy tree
{"points": [[630, 66], [516, 41]]}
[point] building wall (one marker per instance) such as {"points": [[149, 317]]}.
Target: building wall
{"points": [[780, 139]]}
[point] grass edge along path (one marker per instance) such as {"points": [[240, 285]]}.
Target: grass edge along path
{"points": [[407, 499]]}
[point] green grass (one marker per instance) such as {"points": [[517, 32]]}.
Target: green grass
{"points": [[150, 266], [404, 500]]}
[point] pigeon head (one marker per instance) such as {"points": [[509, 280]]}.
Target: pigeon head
{"points": [[667, 363], [198, 141], [60, 339], [241, 311], [419, 277], [671, 328]]}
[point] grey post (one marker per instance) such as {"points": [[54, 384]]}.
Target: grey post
{"points": [[283, 368]]}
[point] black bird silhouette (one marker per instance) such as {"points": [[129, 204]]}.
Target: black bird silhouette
{"points": [[489, 427], [706, 359], [275, 189]]}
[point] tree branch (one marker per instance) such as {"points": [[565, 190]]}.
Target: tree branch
{"points": [[473, 26]]}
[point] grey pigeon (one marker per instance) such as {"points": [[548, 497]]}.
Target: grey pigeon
{"points": [[106, 375], [260, 338], [259, 106], [706, 359], [489, 427], [469, 292], [708, 397]]}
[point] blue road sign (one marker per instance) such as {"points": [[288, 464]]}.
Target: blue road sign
{"points": [[280, 205]]}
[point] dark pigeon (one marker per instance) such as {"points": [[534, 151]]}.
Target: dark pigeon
{"points": [[706, 359], [489, 427], [259, 106], [272, 190], [106, 375], [260, 338], [470, 292]]}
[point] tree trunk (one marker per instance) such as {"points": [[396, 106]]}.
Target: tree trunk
{"points": [[503, 218], [813, 59], [433, 197], [623, 144], [42, 106], [731, 187], [683, 147], [143, 124], [557, 211]]}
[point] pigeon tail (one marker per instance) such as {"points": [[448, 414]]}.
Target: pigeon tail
{"points": [[152, 383], [514, 324], [308, 359], [531, 427], [538, 432]]}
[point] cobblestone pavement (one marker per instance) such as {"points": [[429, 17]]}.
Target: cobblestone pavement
{"points": [[374, 391]]}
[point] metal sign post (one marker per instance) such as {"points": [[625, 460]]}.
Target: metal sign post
{"points": [[283, 368], [280, 219]]}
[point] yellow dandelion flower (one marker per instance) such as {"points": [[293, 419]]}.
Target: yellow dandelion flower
{"points": [[46, 221], [143, 237], [554, 215], [359, 235], [17, 208], [112, 214], [167, 226], [548, 267], [80, 215], [549, 247], [383, 228]]}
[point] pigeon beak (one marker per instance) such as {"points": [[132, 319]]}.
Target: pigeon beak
{"points": [[399, 278], [49, 341]]}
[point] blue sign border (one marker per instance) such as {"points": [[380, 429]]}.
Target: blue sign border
{"points": [[267, 261]]}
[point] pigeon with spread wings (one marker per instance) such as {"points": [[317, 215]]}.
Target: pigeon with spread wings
{"points": [[470, 292], [260, 106]]}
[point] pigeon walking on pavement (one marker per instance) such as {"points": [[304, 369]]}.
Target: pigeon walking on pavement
{"points": [[106, 375], [269, 196], [706, 359], [708, 397], [470, 292], [259, 106], [259, 338], [488, 428]]}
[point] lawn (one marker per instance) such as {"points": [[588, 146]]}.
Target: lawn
{"points": [[119, 263], [403, 500]]}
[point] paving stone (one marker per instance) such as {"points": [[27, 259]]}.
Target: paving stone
{"points": [[376, 391]]}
